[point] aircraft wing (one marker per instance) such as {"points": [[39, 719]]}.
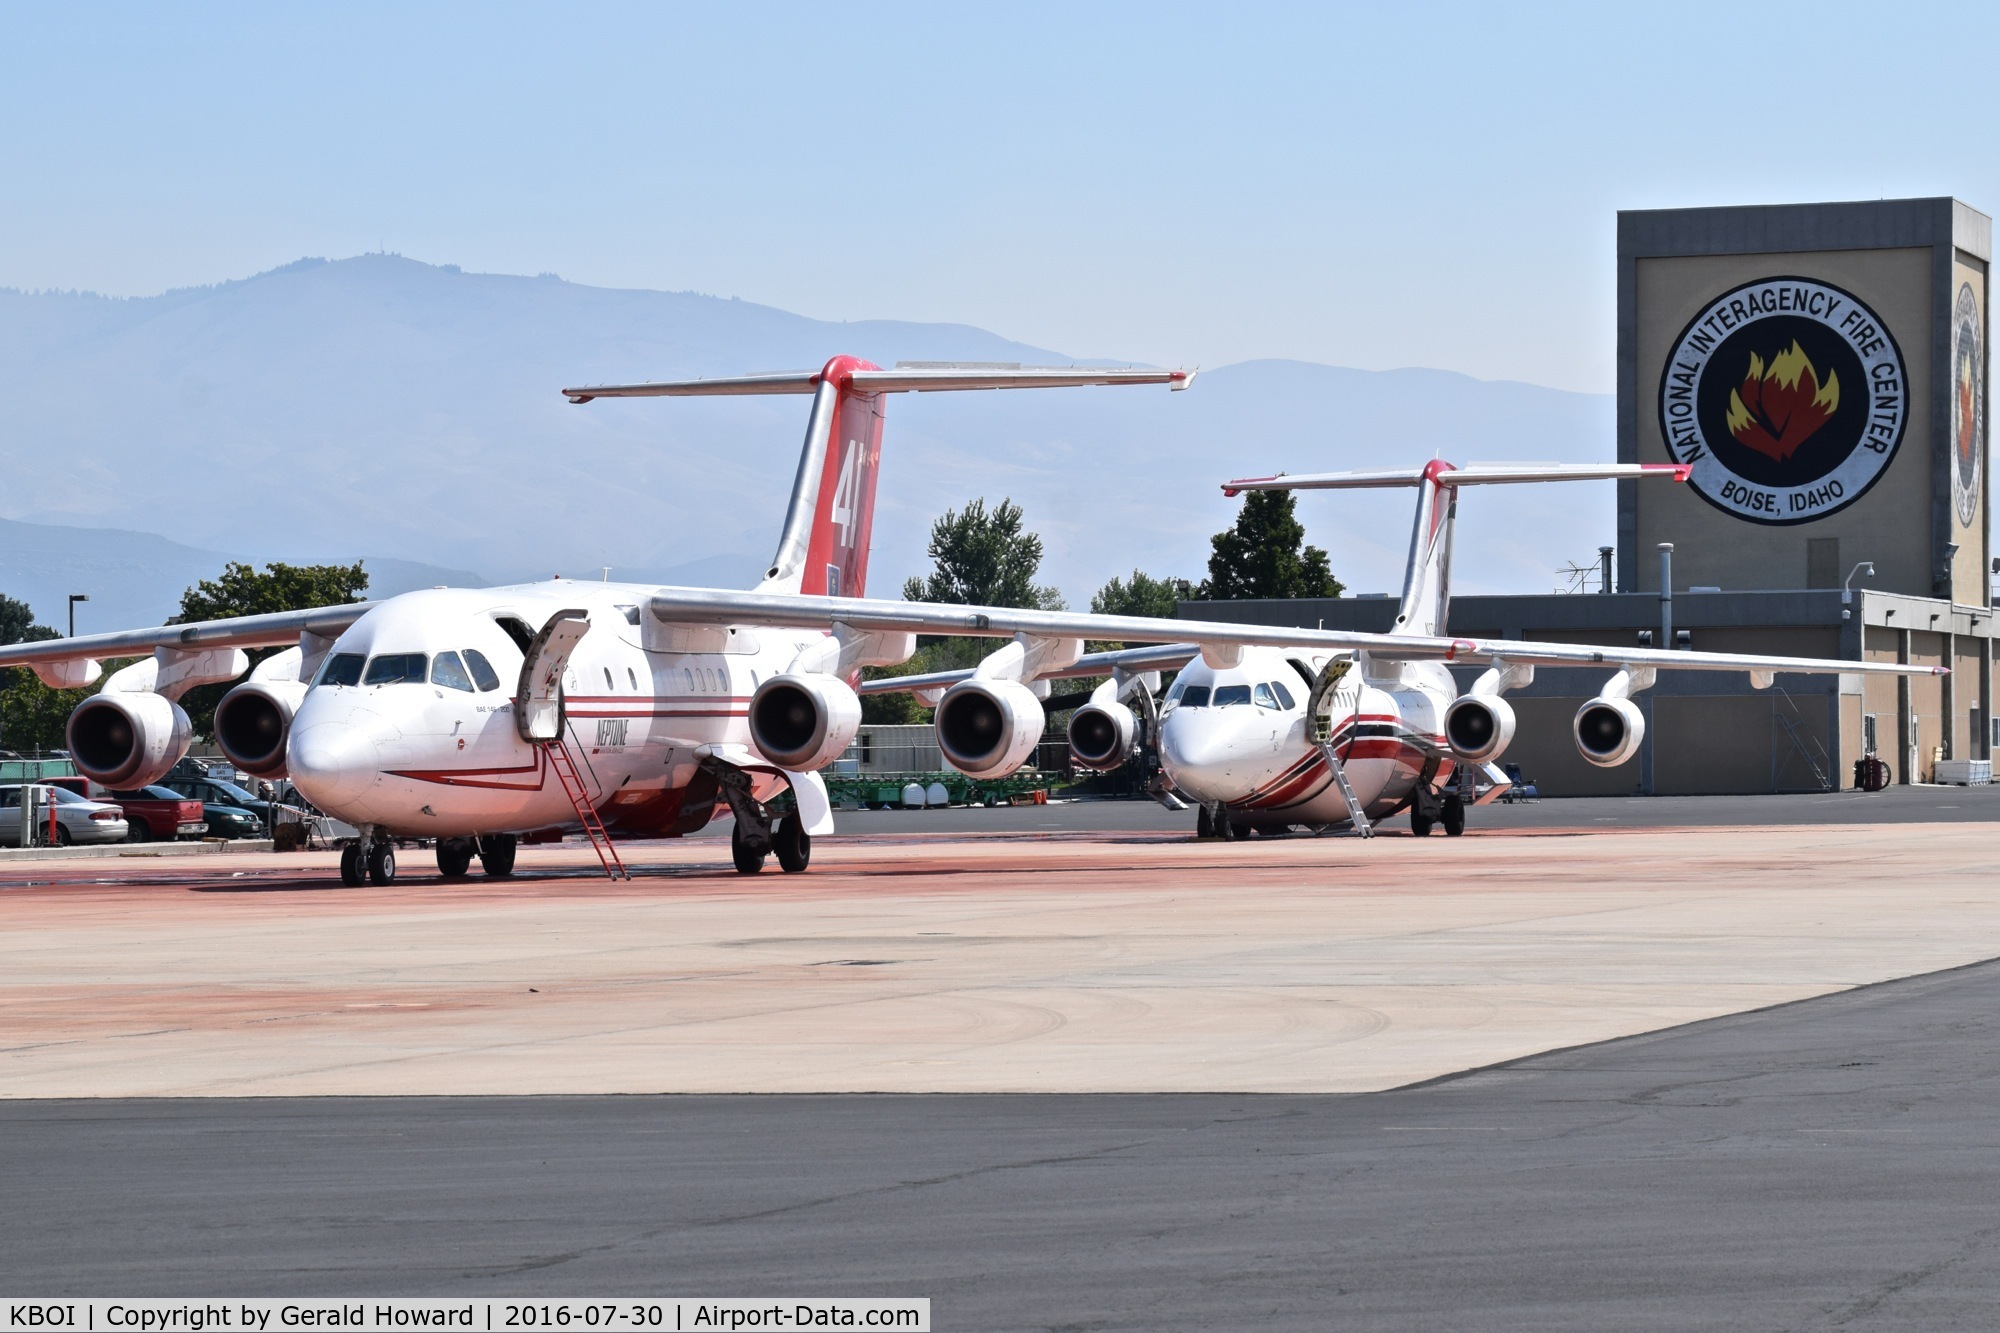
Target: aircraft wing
{"points": [[278, 630], [1162, 657], [710, 606]]}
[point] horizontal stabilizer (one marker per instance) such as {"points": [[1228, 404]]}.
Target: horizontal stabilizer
{"points": [[1445, 474], [927, 378]]}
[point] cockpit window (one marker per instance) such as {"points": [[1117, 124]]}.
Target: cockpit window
{"points": [[482, 670], [1195, 696], [342, 669], [1229, 695], [1284, 695], [396, 669], [448, 671], [1266, 699]]}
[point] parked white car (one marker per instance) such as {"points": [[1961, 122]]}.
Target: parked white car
{"points": [[78, 819]]}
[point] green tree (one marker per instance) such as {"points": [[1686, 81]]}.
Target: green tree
{"points": [[32, 715], [1141, 595], [979, 557], [985, 559], [242, 591], [1264, 555], [17, 622]]}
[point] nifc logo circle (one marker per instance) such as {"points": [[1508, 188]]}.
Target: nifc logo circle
{"points": [[1787, 398], [1968, 405]]}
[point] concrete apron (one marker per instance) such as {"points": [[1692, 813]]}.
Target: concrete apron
{"points": [[1074, 963]]}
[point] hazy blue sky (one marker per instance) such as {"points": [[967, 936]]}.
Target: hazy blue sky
{"points": [[1375, 186]]}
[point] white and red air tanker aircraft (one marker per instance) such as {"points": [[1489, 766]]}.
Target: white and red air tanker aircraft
{"points": [[472, 717], [1285, 728]]}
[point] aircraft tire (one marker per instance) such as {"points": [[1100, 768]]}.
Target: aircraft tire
{"points": [[352, 873], [454, 857], [1204, 827], [496, 854], [748, 861], [1224, 829], [1454, 816], [792, 844], [1420, 823], [382, 863]]}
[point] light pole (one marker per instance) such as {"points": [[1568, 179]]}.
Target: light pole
{"points": [[1847, 589], [74, 598]]}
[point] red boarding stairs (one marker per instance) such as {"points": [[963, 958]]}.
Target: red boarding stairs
{"points": [[593, 827]]}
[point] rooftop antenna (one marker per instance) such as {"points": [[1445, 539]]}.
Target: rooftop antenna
{"points": [[1577, 576]]}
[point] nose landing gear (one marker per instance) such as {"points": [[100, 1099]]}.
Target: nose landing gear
{"points": [[369, 859]]}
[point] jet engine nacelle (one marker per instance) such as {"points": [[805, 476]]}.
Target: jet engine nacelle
{"points": [[988, 728], [253, 724], [1102, 735], [127, 740], [1608, 731], [1479, 726], [805, 720]]}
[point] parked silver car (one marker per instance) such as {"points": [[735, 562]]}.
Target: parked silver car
{"points": [[78, 820]]}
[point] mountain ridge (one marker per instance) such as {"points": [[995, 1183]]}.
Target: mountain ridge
{"points": [[413, 409]]}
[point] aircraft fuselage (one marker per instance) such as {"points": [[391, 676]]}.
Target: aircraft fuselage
{"points": [[417, 753]]}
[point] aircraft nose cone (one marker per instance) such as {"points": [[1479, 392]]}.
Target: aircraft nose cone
{"points": [[334, 764], [1192, 746], [1197, 755]]}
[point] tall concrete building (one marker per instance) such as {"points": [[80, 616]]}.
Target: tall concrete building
{"points": [[1821, 368]]}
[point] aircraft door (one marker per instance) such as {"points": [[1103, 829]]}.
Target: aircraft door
{"points": [[538, 699]]}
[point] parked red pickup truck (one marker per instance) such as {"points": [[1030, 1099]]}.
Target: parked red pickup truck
{"points": [[152, 812]]}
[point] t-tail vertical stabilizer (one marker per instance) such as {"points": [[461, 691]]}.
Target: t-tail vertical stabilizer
{"points": [[830, 523], [1426, 603]]}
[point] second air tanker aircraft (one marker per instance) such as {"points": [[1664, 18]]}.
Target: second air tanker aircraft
{"points": [[471, 717]]}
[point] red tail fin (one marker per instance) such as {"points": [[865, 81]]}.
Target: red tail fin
{"points": [[844, 519]]}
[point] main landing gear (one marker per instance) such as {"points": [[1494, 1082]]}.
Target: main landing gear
{"points": [[496, 854], [1429, 808], [758, 833]]}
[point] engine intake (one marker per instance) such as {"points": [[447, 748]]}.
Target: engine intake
{"points": [[127, 740], [804, 721], [253, 724], [1102, 735], [1608, 731], [988, 728], [1479, 726]]}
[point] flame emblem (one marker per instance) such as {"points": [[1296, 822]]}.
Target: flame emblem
{"points": [[1781, 406], [1968, 422]]}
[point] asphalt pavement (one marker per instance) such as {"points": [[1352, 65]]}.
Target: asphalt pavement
{"points": [[1826, 1164], [1896, 805]]}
